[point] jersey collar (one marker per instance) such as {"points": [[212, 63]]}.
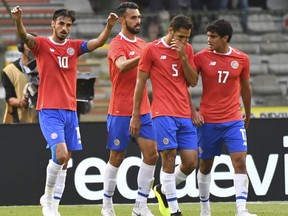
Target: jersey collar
{"points": [[227, 53], [127, 39], [54, 42]]}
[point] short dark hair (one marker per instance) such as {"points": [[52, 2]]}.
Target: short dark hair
{"points": [[221, 27], [123, 7], [65, 13], [180, 21]]}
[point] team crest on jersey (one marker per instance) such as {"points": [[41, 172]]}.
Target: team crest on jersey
{"points": [[54, 135], [70, 51], [234, 64], [165, 141], [116, 142]]}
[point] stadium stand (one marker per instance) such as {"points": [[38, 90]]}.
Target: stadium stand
{"points": [[274, 42], [266, 85], [266, 42], [258, 64], [235, 21], [261, 23], [244, 43], [37, 18], [278, 64], [275, 100], [199, 42]]}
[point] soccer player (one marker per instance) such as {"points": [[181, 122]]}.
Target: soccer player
{"points": [[56, 58], [225, 73], [169, 63], [123, 57]]}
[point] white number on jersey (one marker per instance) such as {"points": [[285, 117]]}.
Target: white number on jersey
{"points": [[222, 76], [174, 68], [63, 61]]}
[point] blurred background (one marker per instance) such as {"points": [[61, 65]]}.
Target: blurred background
{"points": [[260, 30]]}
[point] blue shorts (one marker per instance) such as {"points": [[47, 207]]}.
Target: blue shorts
{"points": [[119, 134], [60, 126], [211, 137], [175, 133]]}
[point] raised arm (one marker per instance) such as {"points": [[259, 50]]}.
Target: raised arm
{"points": [[102, 38], [17, 15]]}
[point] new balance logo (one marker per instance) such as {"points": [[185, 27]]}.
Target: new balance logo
{"points": [[163, 57], [52, 50], [131, 53], [212, 63]]}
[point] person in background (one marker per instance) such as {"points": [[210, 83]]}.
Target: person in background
{"points": [[14, 79], [169, 63], [241, 5], [123, 57], [56, 58], [221, 68]]}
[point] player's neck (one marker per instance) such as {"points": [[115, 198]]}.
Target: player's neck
{"points": [[168, 39], [128, 35], [57, 40], [224, 49]]}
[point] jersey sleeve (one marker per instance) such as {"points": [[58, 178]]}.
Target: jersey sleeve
{"points": [[145, 61], [35, 49], [115, 50], [245, 74], [197, 61], [80, 46]]}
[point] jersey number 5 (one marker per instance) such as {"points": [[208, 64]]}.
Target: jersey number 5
{"points": [[222, 76], [175, 70]]}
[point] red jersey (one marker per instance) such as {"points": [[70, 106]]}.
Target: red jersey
{"points": [[57, 67], [123, 83], [221, 78], [170, 90]]}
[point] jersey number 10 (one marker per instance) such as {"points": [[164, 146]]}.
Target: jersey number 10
{"points": [[63, 61]]}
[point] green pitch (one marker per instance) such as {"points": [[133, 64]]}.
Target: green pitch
{"points": [[189, 209]]}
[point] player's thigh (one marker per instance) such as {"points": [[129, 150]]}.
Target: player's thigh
{"points": [[165, 128], [209, 141], [187, 135], [147, 130], [118, 132], [52, 126], [235, 137], [72, 131]]}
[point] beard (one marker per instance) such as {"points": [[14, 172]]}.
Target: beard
{"points": [[132, 30], [61, 36]]}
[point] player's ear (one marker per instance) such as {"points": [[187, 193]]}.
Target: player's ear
{"points": [[121, 19], [226, 37], [170, 31], [52, 23]]}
